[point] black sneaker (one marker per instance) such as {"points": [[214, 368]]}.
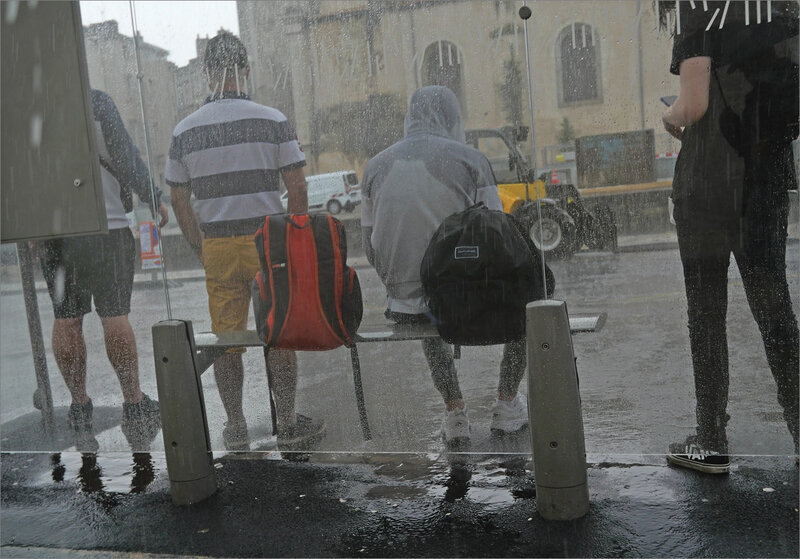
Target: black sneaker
{"points": [[80, 422], [141, 422], [235, 436], [301, 436], [692, 455]]}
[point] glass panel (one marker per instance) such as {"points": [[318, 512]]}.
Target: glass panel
{"points": [[343, 74]]}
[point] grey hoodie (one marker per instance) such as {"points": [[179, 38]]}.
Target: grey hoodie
{"points": [[412, 186]]}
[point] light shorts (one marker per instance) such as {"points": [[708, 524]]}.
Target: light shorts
{"points": [[231, 264]]}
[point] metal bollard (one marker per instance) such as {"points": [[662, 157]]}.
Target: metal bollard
{"points": [[183, 413], [559, 451]]}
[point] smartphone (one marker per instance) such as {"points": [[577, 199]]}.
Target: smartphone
{"points": [[669, 99]]}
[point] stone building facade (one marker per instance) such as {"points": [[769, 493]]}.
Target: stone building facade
{"points": [[111, 61], [602, 66]]}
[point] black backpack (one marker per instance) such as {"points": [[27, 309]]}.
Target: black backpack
{"points": [[478, 273]]}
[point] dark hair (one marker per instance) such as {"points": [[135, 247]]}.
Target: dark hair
{"points": [[662, 8], [224, 52]]}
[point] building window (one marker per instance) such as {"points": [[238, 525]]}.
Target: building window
{"points": [[441, 65], [578, 65]]}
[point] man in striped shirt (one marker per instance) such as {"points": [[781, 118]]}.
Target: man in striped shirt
{"points": [[230, 154]]}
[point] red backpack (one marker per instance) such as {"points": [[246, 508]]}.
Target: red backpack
{"points": [[305, 297]]}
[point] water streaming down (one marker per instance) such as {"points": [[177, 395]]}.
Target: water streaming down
{"points": [[344, 84]]}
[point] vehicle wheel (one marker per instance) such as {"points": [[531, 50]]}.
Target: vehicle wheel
{"points": [[334, 207], [552, 237]]}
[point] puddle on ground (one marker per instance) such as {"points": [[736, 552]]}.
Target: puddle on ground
{"points": [[109, 473]]}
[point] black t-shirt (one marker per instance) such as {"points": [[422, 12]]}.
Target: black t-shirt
{"points": [[717, 166]]}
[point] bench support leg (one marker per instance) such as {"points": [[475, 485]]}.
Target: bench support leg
{"points": [[362, 408], [273, 412], [557, 440], [183, 413]]}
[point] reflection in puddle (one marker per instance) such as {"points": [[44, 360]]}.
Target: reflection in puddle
{"points": [[103, 474]]}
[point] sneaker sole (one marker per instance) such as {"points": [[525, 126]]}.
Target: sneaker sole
{"points": [[237, 447], [88, 446], [676, 460], [501, 432], [457, 444], [302, 444]]}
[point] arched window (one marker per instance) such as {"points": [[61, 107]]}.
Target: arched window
{"points": [[441, 65], [578, 67]]}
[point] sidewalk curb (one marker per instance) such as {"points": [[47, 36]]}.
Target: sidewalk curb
{"points": [[359, 263]]}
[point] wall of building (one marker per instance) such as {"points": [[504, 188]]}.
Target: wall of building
{"points": [[111, 61], [344, 51]]}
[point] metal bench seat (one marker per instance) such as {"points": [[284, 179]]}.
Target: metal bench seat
{"points": [[210, 346]]}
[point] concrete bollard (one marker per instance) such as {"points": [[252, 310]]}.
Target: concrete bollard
{"points": [[183, 417], [559, 451]]}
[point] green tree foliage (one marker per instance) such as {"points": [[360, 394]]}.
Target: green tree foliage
{"points": [[361, 129], [567, 133], [510, 90]]}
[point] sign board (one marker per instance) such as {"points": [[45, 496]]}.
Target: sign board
{"points": [[612, 159], [149, 246], [50, 180]]}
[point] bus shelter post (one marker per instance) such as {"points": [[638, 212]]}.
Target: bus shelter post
{"points": [[557, 439], [183, 413]]}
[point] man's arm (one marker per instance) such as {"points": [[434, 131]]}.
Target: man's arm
{"points": [[366, 243], [692, 102], [187, 220], [126, 160], [295, 182], [367, 217]]}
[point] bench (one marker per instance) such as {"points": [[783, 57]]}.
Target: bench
{"points": [[181, 357], [210, 346]]}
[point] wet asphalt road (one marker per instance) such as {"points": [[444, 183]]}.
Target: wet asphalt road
{"points": [[636, 395], [635, 374]]}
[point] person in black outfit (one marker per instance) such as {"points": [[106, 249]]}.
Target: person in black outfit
{"points": [[730, 194]]}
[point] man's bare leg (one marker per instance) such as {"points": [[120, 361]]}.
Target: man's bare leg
{"points": [[229, 375], [121, 351], [283, 365], [69, 349]]}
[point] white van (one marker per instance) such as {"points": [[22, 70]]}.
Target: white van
{"points": [[332, 192]]}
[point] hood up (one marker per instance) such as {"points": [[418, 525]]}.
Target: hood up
{"points": [[434, 110]]}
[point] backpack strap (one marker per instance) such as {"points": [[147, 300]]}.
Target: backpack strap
{"points": [[278, 263]]}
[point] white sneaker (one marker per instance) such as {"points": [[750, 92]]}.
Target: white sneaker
{"points": [[509, 417], [455, 427]]}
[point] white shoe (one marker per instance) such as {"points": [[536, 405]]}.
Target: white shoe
{"points": [[455, 427], [510, 417]]}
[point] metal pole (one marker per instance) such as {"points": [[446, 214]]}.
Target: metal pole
{"points": [[533, 133], [641, 65], [530, 90], [43, 397], [154, 205], [559, 451], [183, 413]]}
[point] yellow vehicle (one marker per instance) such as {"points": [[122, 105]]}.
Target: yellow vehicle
{"points": [[558, 222]]}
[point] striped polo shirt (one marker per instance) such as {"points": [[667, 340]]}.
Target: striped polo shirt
{"points": [[230, 152]]}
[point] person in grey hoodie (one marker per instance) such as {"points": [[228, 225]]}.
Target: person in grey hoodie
{"points": [[408, 190]]}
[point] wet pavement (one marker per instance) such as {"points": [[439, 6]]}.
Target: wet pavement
{"points": [[397, 495], [392, 505]]}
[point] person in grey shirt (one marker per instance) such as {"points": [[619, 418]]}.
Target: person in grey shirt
{"points": [[408, 190]]}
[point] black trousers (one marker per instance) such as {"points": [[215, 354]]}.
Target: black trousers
{"points": [[758, 243]]}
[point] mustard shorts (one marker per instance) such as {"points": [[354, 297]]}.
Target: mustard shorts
{"points": [[231, 264]]}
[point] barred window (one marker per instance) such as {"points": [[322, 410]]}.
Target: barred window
{"points": [[578, 64]]}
